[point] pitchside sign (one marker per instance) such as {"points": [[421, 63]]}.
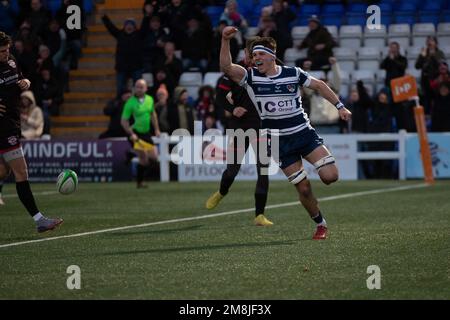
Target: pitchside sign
{"points": [[403, 88], [213, 154], [93, 161]]}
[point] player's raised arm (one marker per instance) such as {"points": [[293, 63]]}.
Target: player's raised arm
{"points": [[326, 92], [235, 72]]}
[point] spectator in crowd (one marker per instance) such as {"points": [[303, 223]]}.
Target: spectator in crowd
{"points": [[380, 114], [30, 41], [48, 95], [216, 43], [283, 16], [395, 64], [7, 17], [38, 17], [443, 76], [205, 103], [55, 39], [162, 76], [323, 115], [162, 108], [114, 110], [128, 52], [44, 61], [173, 17], [154, 38], [31, 117], [232, 16], [319, 43], [267, 28], [74, 36], [170, 62], [428, 61], [182, 114], [358, 103], [26, 60], [440, 114], [195, 50]]}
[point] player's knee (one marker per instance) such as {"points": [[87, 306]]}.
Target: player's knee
{"points": [[329, 176]]}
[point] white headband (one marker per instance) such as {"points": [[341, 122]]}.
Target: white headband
{"points": [[264, 49]]}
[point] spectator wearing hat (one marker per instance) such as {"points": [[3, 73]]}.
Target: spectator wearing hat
{"points": [[319, 43], [128, 51], [182, 114], [114, 110]]}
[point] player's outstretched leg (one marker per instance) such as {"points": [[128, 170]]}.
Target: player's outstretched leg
{"points": [[297, 176], [261, 190], [225, 183], [17, 163]]}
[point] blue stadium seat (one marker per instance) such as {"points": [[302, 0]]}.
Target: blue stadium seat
{"points": [[302, 20], [385, 7], [386, 19], [357, 8], [360, 20], [53, 6], [331, 20], [433, 6], [333, 9], [445, 16], [427, 17], [310, 9], [405, 18], [407, 7], [88, 6]]}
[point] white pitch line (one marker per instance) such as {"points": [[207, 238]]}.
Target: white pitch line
{"points": [[213, 215]]}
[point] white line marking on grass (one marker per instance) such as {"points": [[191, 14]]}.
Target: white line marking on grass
{"points": [[213, 215]]}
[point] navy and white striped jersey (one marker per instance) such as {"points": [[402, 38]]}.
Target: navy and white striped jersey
{"points": [[277, 99]]}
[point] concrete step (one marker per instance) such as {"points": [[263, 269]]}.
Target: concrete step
{"points": [[80, 121], [77, 132], [101, 41], [92, 74], [89, 97], [120, 4], [106, 85], [99, 52], [96, 62], [80, 109]]}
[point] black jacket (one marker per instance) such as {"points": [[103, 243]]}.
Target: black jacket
{"points": [[394, 68], [128, 48]]}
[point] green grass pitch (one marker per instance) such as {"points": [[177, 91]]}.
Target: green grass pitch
{"points": [[406, 233]]}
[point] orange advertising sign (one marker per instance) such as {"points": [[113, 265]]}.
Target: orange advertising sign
{"points": [[403, 88]]}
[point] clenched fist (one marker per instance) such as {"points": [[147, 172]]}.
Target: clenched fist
{"points": [[229, 32]]}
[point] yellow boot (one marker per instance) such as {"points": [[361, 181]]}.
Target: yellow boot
{"points": [[214, 200], [262, 221]]}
